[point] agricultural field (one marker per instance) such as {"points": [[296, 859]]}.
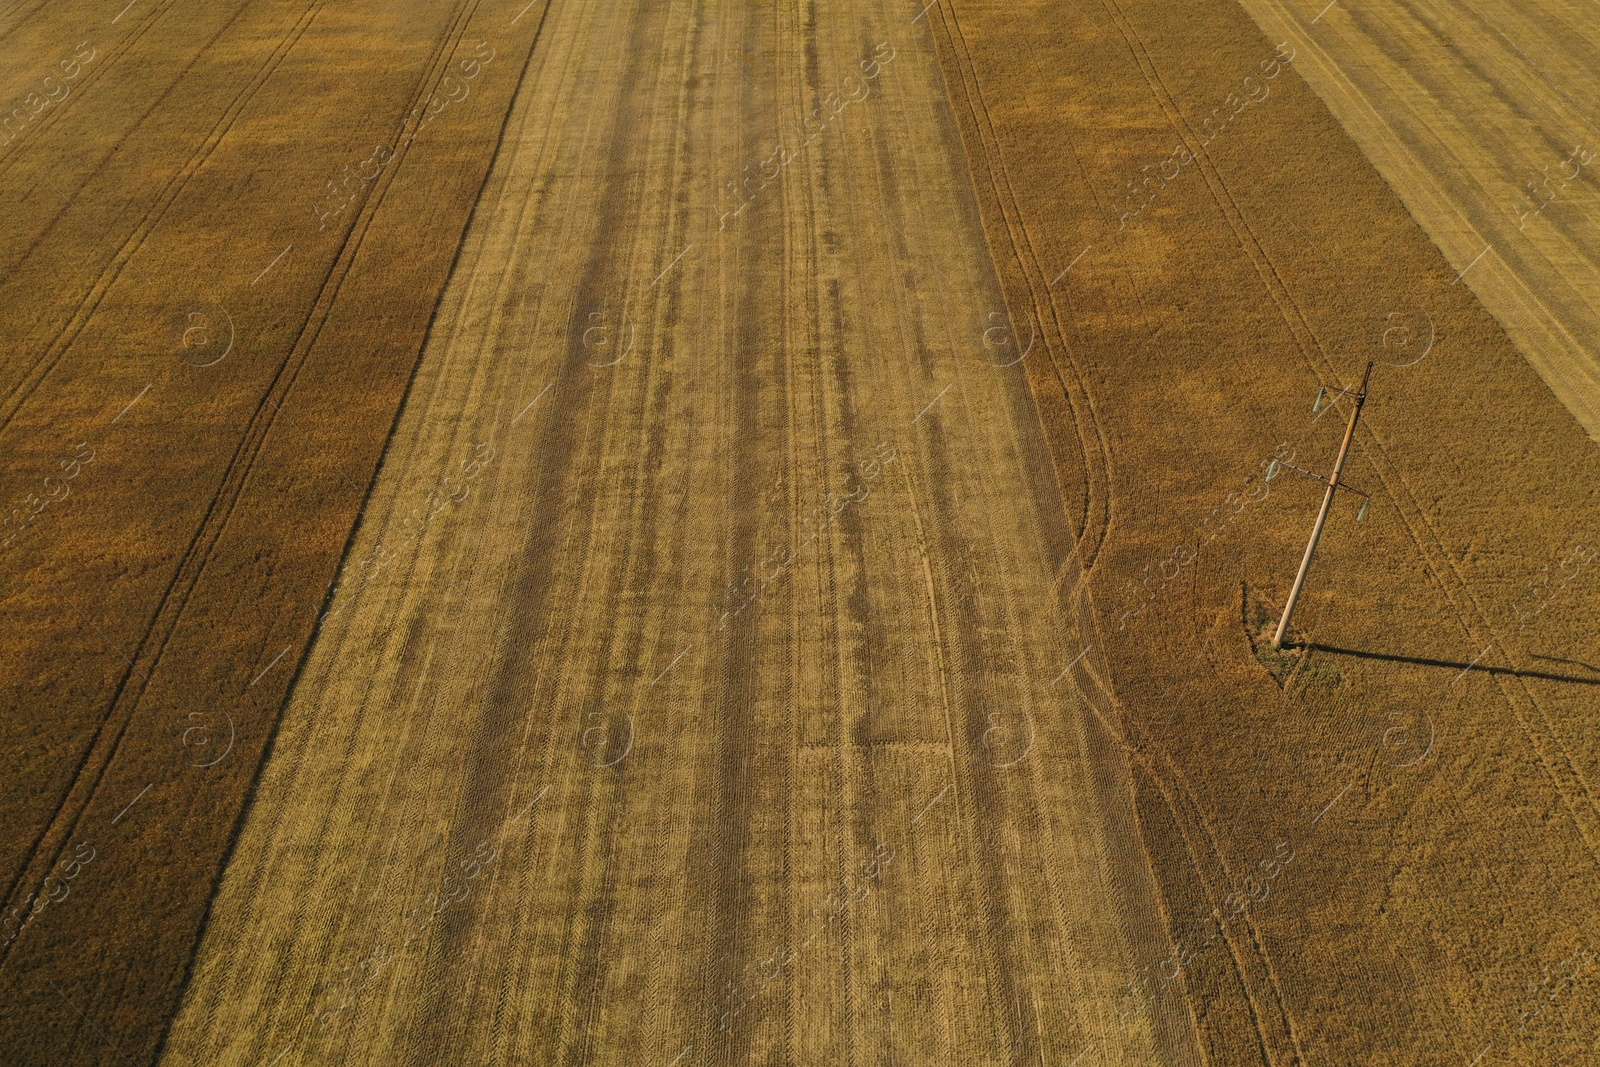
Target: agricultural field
{"points": [[697, 534], [1474, 114]]}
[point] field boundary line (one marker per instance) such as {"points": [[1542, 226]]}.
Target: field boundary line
{"points": [[20, 878], [1095, 517], [122, 707], [450, 39]]}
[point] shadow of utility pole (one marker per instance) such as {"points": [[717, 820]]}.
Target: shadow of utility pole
{"points": [[1461, 667]]}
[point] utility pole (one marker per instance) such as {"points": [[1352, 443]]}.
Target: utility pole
{"points": [[1322, 516]]}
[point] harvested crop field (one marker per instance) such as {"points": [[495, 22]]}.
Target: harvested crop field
{"points": [[1474, 114], [549, 532]]}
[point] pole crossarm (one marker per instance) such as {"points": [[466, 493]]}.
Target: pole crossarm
{"points": [[1326, 400], [1318, 478]]}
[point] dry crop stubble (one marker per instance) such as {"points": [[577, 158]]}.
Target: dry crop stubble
{"points": [[801, 536], [1269, 268], [708, 667], [1475, 114]]}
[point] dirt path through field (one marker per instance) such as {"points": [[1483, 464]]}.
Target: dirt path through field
{"points": [[696, 689]]}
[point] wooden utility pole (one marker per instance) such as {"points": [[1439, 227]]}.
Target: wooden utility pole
{"points": [[1322, 516]]}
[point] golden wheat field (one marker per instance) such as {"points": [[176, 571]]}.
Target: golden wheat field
{"points": [[671, 533]]}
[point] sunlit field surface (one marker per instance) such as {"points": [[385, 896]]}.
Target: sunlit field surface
{"points": [[692, 534]]}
